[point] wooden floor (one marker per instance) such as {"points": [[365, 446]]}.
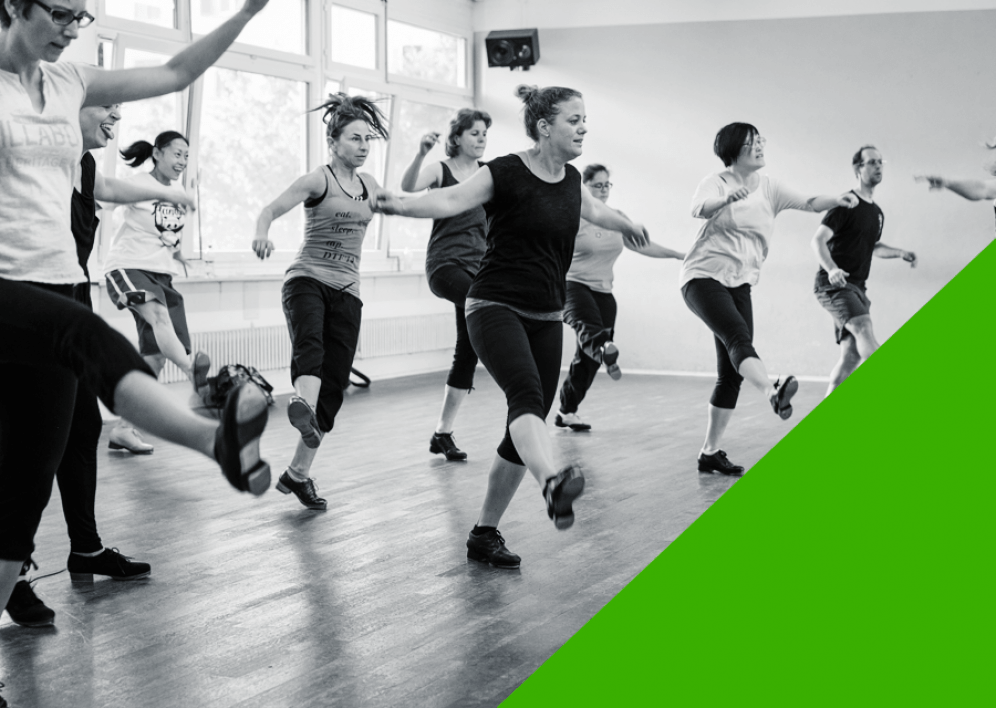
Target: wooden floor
{"points": [[260, 602]]}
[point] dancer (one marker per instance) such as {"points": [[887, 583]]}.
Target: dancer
{"points": [[453, 257], [739, 206], [514, 306], [845, 243], [48, 341], [321, 291], [590, 307], [139, 270], [972, 189]]}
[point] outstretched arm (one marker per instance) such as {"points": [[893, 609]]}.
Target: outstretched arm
{"points": [[415, 179], [597, 212], [120, 191], [885, 251], [108, 87], [822, 203], [440, 203], [310, 186], [655, 250], [972, 189]]}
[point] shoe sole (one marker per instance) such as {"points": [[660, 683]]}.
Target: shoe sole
{"points": [[610, 354], [88, 577], [133, 451], [563, 511], [576, 427], [614, 372], [483, 558], [33, 625], [300, 416], [452, 457], [245, 423], [732, 473], [785, 395], [201, 368], [284, 489]]}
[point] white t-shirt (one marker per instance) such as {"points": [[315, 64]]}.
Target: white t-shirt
{"points": [[733, 243], [39, 156], [595, 252], [149, 235]]}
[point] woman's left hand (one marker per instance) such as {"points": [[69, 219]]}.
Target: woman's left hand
{"points": [[910, 258], [637, 237], [848, 200]]}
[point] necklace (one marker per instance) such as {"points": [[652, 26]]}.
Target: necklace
{"points": [[353, 197]]}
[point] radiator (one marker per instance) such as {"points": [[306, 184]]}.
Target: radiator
{"points": [[269, 348]]}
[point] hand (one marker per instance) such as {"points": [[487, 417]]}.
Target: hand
{"points": [[262, 247], [637, 237], [386, 203], [838, 277], [737, 194], [848, 200], [184, 198], [910, 258], [428, 141], [932, 180], [254, 6]]}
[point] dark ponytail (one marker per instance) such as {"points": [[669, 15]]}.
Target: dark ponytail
{"points": [[141, 150], [342, 109]]}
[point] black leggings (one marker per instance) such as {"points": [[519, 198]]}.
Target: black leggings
{"points": [[47, 342], [523, 357], [730, 316], [593, 316], [452, 283]]}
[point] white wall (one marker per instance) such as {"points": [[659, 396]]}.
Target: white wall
{"points": [[917, 85]]}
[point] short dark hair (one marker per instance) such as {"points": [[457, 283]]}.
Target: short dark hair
{"points": [[858, 159], [591, 170], [22, 6], [543, 104], [730, 139], [462, 122]]}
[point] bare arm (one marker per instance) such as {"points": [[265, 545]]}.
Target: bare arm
{"points": [[822, 203], [655, 250], [597, 212], [440, 203], [310, 186], [710, 207], [885, 251], [108, 87], [972, 189], [838, 277], [415, 179], [119, 191]]}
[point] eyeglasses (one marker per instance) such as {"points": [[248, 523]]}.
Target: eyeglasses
{"points": [[873, 163], [601, 185], [63, 17], [758, 142]]}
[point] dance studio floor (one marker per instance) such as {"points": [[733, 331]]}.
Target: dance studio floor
{"points": [[260, 602]]}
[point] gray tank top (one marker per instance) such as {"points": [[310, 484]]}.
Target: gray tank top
{"points": [[334, 227]]}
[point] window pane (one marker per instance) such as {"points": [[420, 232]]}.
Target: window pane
{"points": [[253, 145], [154, 12], [354, 37], [426, 54], [414, 121], [279, 26]]}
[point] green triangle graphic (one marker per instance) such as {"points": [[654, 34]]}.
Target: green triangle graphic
{"points": [[853, 565]]}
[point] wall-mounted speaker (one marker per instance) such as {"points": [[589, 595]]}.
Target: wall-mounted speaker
{"points": [[516, 49]]}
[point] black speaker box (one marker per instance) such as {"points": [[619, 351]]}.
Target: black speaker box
{"points": [[516, 49]]}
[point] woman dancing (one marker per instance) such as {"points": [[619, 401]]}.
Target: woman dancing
{"points": [[453, 257]]}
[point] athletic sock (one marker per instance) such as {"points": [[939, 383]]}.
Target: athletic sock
{"points": [[297, 476]]}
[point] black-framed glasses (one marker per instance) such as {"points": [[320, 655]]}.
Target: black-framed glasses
{"points": [[601, 185], [63, 17]]}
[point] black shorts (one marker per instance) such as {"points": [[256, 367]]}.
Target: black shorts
{"points": [[128, 287], [844, 304]]}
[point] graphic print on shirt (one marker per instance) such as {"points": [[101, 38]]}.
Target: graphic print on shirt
{"points": [[169, 219], [37, 142], [332, 249]]}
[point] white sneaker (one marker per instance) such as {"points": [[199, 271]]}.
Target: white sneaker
{"points": [[127, 438], [572, 421]]}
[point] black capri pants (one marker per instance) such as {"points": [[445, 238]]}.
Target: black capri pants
{"points": [[452, 283], [47, 343], [729, 314], [593, 316], [523, 356], [324, 325]]}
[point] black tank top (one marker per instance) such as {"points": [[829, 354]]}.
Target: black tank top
{"points": [[531, 229], [457, 240], [84, 211]]}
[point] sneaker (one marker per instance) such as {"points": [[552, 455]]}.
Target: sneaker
{"points": [[200, 365], [782, 397], [443, 443], [26, 609], [610, 354], [306, 491], [560, 492], [236, 442], [572, 421], [126, 438], [302, 416], [489, 547], [719, 462], [111, 563]]}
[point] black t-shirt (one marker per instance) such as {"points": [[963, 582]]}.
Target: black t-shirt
{"points": [[855, 233], [531, 229], [84, 211], [457, 240]]}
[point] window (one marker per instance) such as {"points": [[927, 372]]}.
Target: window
{"points": [[426, 54], [353, 37], [252, 146], [279, 26], [161, 13]]}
